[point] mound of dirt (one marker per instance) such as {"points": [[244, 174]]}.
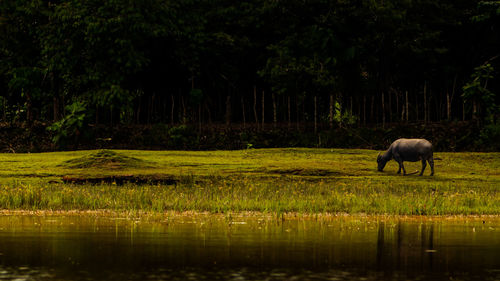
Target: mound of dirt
{"points": [[106, 159]]}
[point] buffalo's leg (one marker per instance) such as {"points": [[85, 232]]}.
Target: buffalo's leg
{"points": [[431, 163], [401, 166], [424, 163], [400, 162]]}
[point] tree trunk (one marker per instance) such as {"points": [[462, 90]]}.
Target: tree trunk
{"points": [[416, 107], [63, 102], [138, 111], [315, 116], [438, 101], [359, 112], [297, 118], [153, 107], [55, 108], [172, 107], [474, 109], [303, 110], [289, 114], [164, 110], [228, 110], [192, 88], [4, 109], [275, 119], [149, 110], [243, 111], [184, 114], [364, 110], [330, 115], [397, 104], [448, 106], [389, 107], [29, 109], [255, 106], [407, 107], [209, 112], [199, 118], [351, 107], [263, 108], [426, 117], [463, 111], [403, 113], [371, 109], [339, 100], [383, 111], [452, 95]]}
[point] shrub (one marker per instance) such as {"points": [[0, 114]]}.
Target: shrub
{"points": [[182, 137], [71, 126], [489, 138]]}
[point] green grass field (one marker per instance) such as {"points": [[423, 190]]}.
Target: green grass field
{"points": [[262, 180]]}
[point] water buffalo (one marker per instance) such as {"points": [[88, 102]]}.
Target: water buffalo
{"points": [[408, 150]]}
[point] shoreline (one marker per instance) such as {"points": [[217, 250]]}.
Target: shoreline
{"points": [[243, 214]]}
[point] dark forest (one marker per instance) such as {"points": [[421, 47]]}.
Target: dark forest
{"points": [[193, 74]]}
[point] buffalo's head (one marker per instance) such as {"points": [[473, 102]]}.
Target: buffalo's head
{"points": [[381, 162]]}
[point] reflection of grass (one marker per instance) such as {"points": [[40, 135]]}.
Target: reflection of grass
{"points": [[268, 180]]}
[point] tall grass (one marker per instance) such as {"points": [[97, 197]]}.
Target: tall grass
{"points": [[241, 193]]}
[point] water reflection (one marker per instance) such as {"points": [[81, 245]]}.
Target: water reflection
{"points": [[253, 248]]}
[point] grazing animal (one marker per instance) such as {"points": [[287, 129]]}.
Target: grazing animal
{"points": [[411, 150]]}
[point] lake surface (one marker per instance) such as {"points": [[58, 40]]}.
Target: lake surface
{"points": [[216, 247]]}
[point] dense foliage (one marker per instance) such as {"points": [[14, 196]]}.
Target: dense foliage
{"points": [[318, 62]]}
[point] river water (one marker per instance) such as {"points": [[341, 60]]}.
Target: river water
{"points": [[217, 247]]}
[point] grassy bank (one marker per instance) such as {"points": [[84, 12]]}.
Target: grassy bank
{"points": [[263, 180]]}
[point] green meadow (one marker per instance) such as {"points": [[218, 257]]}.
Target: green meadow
{"points": [[292, 180]]}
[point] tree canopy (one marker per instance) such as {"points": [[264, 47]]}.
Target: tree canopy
{"points": [[192, 61]]}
